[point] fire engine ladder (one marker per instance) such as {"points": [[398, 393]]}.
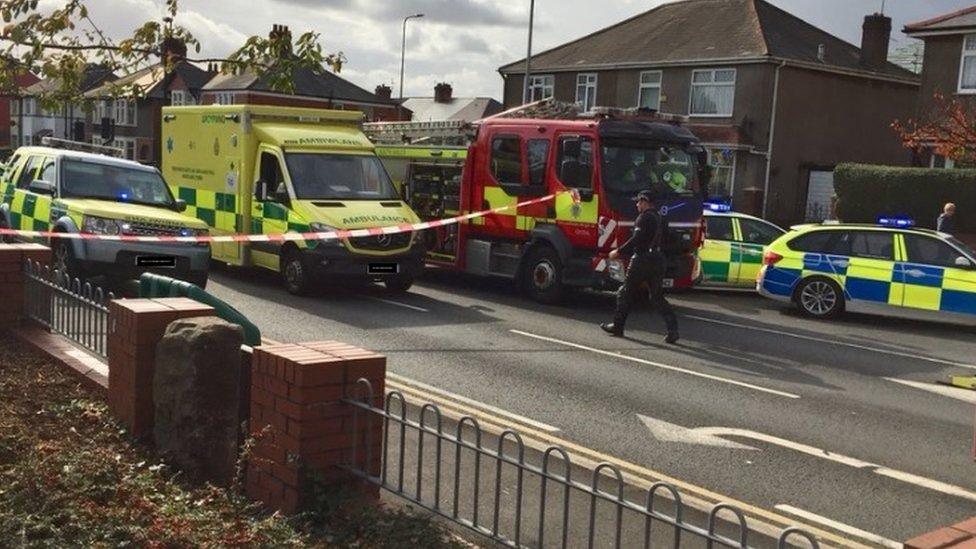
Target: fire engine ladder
{"points": [[398, 132]]}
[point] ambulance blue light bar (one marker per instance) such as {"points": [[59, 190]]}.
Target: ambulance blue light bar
{"points": [[721, 207], [899, 222]]}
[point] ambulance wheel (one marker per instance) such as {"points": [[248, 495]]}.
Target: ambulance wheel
{"points": [[819, 298], [542, 275], [398, 284], [294, 273], [63, 258], [5, 239]]}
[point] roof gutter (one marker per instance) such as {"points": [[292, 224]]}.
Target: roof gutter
{"points": [[772, 135]]}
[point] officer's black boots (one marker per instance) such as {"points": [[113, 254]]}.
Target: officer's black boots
{"points": [[672, 337], [612, 329]]}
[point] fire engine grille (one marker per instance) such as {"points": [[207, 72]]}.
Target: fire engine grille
{"points": [[382, 243], [153, 229]]}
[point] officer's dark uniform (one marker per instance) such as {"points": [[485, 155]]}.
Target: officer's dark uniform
{"points": [[648, 264]]}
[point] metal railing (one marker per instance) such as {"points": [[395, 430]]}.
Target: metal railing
{"points": [[518, 503], [66, 306]]}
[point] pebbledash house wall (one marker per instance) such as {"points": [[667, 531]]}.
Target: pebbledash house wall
{"points": [[823, 118]]}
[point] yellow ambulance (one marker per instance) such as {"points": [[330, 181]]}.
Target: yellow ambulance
{"points": [[262, 170]]}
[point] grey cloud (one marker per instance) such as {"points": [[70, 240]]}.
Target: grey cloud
{"points": [[467, 12]]}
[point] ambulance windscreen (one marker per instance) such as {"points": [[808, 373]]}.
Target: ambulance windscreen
{"points": [[319, 176]]}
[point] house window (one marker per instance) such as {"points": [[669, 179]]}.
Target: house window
{"points": [[127, 144], [15, 141], [541, 87], [225, 98], [649, 95], [14, 107], [180, 98], [722, 162], [967, 71], [586, 91], [712, 92], [30, 106], [125, 112]]}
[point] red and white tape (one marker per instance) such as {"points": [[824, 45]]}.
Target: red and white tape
{"points": [[283, 237]]}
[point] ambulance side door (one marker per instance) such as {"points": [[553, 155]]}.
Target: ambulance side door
{"points": [[268, 214], [937, 276], [754, 236], [717, 251], [25, 202]]}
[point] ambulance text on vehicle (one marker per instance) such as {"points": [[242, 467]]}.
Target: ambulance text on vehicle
{"points": [[273, 170]]}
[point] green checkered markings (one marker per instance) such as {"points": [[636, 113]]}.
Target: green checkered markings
{"points": [[226, 203], [275, 211], [739, 254], [207, 216], [715, 270], [40, 225], [30, 201], [188, 195], [14, 220]]}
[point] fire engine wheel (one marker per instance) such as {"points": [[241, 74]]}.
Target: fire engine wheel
{"points": [[542, 276], [398, 284], [819, 298], [294, 273]]}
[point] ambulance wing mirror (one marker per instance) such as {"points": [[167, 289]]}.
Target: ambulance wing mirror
{"points": [[39, 186], [281, 194], [180, 205], [260, 190], [964, 263]]}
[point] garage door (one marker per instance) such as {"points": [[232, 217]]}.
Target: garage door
{"points": [[820, 192]]}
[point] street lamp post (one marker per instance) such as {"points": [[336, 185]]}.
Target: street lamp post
{"points": [[528, 55], [403, 48]]}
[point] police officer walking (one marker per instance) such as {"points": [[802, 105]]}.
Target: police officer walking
{"points": [[647, 265]]}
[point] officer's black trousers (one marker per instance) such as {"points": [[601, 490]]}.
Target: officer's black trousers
{"points": [[649, 269]]}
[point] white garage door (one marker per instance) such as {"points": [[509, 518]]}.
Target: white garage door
{"points": [[820, 192]]}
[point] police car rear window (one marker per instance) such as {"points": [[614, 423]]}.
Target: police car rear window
{"points": [[816, 242]]}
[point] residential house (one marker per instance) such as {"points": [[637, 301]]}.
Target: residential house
{"points": [[777, 101], [313, 88], [7, 103], [138, 121], [948, 67], [31, 122], [444, 106]]}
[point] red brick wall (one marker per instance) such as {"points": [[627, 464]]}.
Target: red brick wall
{"points": [[12, 257], [135, 327], [299, 425]]}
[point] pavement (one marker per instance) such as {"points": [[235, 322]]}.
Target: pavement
{"points": [[836, 425]]}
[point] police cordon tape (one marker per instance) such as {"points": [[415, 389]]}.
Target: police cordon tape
{"points": [[340, 234]]}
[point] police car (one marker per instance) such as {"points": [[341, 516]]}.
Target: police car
{"points": [[732, 252], [890, 268]]}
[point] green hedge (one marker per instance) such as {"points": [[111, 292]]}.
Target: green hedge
{"points": [[865, 192]]}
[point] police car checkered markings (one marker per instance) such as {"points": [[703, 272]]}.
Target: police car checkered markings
{"points": [[283, 237]]}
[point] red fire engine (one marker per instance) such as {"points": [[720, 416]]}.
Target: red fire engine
{"points": [[594, 163]]}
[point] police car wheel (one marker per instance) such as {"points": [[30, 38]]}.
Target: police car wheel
{"points": [[542, 276], [294, 273], [819, 298]]}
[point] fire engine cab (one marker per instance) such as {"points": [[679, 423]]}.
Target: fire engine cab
{"points": [[594, 164]]}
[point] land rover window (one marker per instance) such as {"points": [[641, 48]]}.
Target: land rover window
{"points": [[319, 176], [47, 172], [116, 183], [719, 228], [27, 173], [758, 232], [506, 160]]}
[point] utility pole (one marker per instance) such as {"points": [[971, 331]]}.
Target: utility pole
{"points": [[528, 55], [403, 48]]}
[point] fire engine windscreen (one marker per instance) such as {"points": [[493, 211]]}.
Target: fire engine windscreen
{"points": [[630, 166], [317, 176], [102, 181]]}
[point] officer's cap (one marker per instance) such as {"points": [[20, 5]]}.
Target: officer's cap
{"points": [[645, 195]]}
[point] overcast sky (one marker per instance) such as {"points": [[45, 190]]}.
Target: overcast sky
{"points": [[462, 42]]}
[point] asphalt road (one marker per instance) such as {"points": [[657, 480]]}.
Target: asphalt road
{"points": [[825, 421]]}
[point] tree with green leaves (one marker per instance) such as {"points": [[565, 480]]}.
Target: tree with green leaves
{"points": [[61, 44]]}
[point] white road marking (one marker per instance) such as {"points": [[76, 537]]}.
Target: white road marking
{"points": [[400, 380], [398, 304], [834, 342], [839, 526], [669, 432], [922, 482], [965, 395], [656, 364]]}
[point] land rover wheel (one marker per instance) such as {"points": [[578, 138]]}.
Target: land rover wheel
{"points": [[398, 284], [542, 275], [819, 298], [63, 258], [4, 238], [294, 273]]}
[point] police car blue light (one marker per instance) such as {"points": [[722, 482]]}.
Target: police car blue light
{"points": [[900, 222], [720, 207]]}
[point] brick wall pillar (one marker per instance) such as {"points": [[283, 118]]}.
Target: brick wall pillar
{"points": [[12, 258], [301, 428], [135, 327]]}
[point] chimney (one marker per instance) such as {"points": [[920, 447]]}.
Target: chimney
{"points": [[283, 33], [384, 92], [443, 93], [875, 40]]}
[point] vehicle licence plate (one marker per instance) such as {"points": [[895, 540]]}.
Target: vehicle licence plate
{"points": [[383, 268], [668, 283], [155, 261]]}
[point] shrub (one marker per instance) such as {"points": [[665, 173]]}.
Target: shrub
{"points": [[865, 192]]}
